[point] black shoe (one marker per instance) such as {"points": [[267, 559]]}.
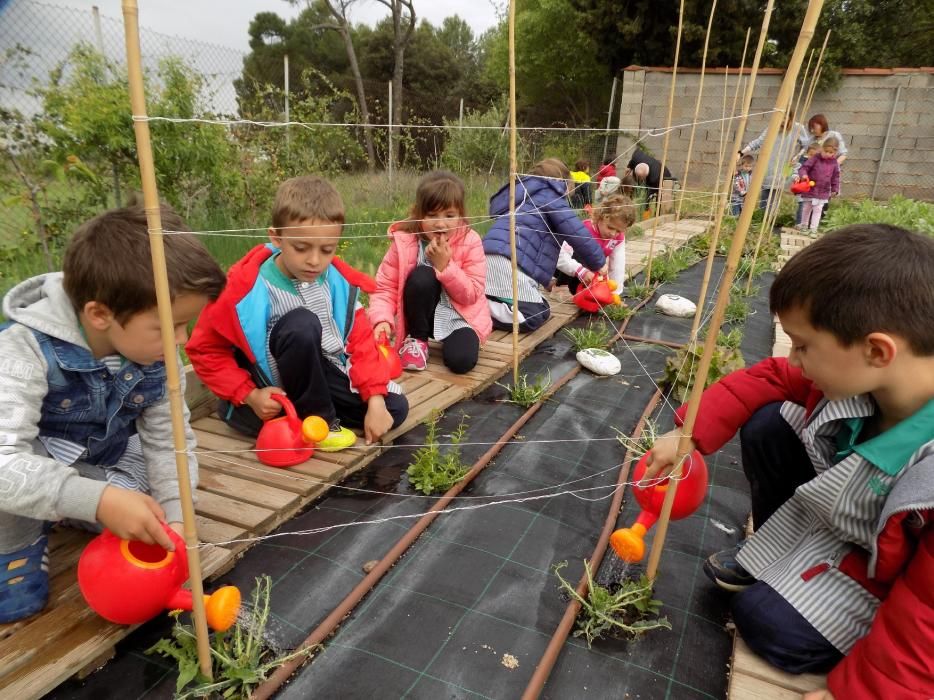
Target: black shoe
{"points": [[723, 569]]}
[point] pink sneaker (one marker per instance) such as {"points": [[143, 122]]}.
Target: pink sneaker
{"points": [[414, 354]]}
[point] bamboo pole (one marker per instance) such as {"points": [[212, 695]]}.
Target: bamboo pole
{"points": [[736, 248], [167, 326], [661, 174], [513, 169], [817, 73], [727, 174], [697, 104], [721, 148]]}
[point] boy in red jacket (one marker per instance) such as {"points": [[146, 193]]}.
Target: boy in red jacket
{"points": [[290, 322], [838, 447]]}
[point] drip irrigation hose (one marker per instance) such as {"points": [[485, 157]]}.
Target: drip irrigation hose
{"points": [[553, 650], [652, 341], [347, 605]]}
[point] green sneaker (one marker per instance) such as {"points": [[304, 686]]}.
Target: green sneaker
{"points": [[339, 438]]}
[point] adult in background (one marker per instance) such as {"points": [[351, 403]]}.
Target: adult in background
{"points": [[647, 172], [792, 139], [819, 129]]}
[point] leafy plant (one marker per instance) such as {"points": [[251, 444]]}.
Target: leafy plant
{"points": [[731, 340], [665, 267], [595, 335], [680, 367], [524, 394], [645, 441], [737, 310], [617, 313], [629, 610], [634, 232], [241, 659], [898, 211], [433, 470], [640, 291]]}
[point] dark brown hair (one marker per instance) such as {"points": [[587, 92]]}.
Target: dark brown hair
{"points": [[863, 279], [551, 167], [436, 191], [627, 184], [821, 121], [108, 260], [307, 198], [582, 165]]}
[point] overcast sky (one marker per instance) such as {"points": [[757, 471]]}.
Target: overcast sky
{"points": [[226, 22]]}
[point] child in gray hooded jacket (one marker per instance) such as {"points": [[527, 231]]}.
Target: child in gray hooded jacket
{"points": [[85, 427]]}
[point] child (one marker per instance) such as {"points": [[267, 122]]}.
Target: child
{"points": [[824, 171], [543, 222], [290, 322], [741, 183], [86, 430], [581, 195], [812, 150], [840, 571], [608, 169], [431, 282], [608, 225]]}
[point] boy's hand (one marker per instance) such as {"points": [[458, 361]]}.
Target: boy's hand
{"points": [[261, 402], [664, 455], [133, 516], [438, 253], [377, 421], [380, 328]]}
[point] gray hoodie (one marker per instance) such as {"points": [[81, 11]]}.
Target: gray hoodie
{"points": [[36, 486]]}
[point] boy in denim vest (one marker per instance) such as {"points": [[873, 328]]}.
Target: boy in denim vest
{"points": [[85, 427]]}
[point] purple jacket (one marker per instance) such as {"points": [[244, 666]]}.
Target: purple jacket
{"points": [[825, 172]]}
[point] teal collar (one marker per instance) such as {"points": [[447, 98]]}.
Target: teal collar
{"points": [[272, 274], [890, 450]]}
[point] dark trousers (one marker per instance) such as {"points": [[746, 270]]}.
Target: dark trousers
{"points": [[315, 386], [420, 298], [535, 316], [572, 281], [776, 463]]}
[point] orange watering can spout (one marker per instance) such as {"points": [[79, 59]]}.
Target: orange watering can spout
{"points": [[222, 606]]}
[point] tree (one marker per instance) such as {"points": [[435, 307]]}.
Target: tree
{"points": [[403, 26]]}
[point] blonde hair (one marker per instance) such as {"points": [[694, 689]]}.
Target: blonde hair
{"points": [[307, 198], [551, 167], [617, 209], [831, 141]]}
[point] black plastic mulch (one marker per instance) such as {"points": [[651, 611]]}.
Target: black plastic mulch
{"points": [[470, 608]]}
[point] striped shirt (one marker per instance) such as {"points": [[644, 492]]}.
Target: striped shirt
{"points": [[798, 549], [447, 320], [499, 281]]}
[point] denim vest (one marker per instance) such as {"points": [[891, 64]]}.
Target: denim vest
{"points": [[88, 405]]}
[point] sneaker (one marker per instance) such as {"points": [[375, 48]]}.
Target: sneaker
{"points": [[24, 581], [723, 569], [339, 438], [812, 233], [801, 227], [414, 354]]}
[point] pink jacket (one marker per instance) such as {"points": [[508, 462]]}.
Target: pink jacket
{"points": [[464, 280]]}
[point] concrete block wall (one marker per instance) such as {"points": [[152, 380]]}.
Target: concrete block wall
{"points": [[860, 109]]}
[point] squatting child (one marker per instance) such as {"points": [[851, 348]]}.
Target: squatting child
{"points": [[290, 322], [824, 170], [741, 183], [838, 447], [431, 282], [85, 425], [544, 221]]}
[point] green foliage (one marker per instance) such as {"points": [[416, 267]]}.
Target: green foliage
{"points": [[635, 232], [476, 150], [595, 335], [737, 309], [432, 470], [240, 658], [731, 340], [640, 291], [629, 610], [645, 441], [617, 313], [898, 211], [527, 394], [680, 367], [667, 266]]}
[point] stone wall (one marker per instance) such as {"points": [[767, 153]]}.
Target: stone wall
{"points": [[860, 109]]}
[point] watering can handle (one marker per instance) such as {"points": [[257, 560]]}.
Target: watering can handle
{"points": [[287, 405], [383, 339]]}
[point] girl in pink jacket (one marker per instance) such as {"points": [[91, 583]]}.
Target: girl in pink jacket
{"points": [[431, 284]]}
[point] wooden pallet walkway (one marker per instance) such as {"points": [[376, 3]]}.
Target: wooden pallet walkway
{"points": [[238, 497]]}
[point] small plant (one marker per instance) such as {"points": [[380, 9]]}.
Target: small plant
{"points": [[737, 309], [617, 313], [640, 291], [635, 231], [645, 441], [731, 340], [681, 366], [629, 610], [432, 471], [595, 335], [525, 394], [240, 657]]}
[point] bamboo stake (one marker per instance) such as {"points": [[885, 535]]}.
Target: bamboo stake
{"points": [[167, 326], [661, 174], [817, 73], [727, 174], [697, 104], [736, 248], [721, 148], [513, 169]]}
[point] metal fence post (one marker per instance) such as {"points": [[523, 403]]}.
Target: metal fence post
{"points": [[609, 117], [285, 72], [389, 138], [885, 142]]}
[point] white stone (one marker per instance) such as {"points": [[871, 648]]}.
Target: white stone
{"points": [[599, 361], [675, 305]]}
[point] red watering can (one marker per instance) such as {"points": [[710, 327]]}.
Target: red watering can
{"points": [[629, 542], [802, 186], [130, 582], [601, 292], [390, 356], [288, 440]]}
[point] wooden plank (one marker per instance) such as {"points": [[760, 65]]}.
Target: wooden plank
{"points": [[233, 512], [247, 491], [212, 531], [743, 687], [746, 662], [284, 479]]}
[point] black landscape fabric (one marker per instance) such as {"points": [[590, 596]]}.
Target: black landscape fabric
{"points": [[468, 611]]}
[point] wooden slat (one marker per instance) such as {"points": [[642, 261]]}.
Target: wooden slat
{"points": [[284, 479], [745, 662], [227, 510], [247, 491]]}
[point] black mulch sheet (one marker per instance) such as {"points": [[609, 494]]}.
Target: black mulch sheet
{"points": [[468, 611]]}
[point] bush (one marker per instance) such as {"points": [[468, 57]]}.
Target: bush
{"points": [[898, 211]]}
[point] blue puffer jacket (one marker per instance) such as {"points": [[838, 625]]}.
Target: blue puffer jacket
{"points": [[544, 220]]}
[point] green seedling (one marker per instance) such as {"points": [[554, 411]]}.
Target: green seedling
{"points": [[527, 394], [434, 471]]}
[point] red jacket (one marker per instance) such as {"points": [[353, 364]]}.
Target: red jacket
{"points": [[221, 329], [895, 661], [608, 170]]}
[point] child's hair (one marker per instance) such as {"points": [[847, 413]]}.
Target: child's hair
{"points": [[307, 198], [108, 260], [863, 279], [617, 209], [831, 141], [551, 167], [813, 146], [609, 161], [438, 190], [627, 185], [747, 159], [582, 165]]}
